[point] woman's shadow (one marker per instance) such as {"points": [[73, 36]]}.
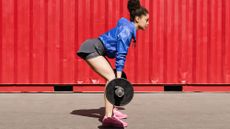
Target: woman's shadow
{"points": [[95, 113]]}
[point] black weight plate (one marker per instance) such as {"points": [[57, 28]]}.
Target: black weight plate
{"points": [[128, 92]]}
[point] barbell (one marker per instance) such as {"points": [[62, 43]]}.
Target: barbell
{"points": [[119, 91]]}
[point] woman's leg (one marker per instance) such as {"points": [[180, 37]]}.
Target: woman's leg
{"points": [[100, 65]]}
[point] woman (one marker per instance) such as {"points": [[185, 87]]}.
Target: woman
{"points": [[114, 44]]}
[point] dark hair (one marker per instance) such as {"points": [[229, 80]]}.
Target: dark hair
{"points": [[135, 9]]}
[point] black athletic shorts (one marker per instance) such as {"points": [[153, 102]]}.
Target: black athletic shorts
{"points": [[91, 48]]}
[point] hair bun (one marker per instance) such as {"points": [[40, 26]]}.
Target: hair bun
{"points": [[133, 5]]}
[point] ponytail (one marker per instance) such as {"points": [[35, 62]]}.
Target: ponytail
{"points": [[135, 9]]}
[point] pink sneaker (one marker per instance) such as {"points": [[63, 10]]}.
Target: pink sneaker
{"points": [[113, 121], [119, 114]]}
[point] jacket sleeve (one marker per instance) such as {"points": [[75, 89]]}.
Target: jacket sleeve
{"points": [[124, 39]]}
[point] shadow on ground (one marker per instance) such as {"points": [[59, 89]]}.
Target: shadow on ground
{"points": [[95, 113]]}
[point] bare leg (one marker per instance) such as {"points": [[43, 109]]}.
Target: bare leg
{"points": [[102, 67]]}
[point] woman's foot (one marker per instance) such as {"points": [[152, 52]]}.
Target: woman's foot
{"points": [[113, 121], [119, 114]]}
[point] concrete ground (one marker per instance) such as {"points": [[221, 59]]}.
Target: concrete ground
{"points": [[168, 110]]}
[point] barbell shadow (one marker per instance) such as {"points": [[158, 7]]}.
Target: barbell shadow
{"points": [[95, 113]]}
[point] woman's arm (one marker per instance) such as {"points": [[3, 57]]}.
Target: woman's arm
{"points": [[124, 39], [119, 74]]}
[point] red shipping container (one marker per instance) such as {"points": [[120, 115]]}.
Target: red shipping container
{"points": [[187, 42]]}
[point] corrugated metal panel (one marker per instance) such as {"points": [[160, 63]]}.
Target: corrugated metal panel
{"points": [[188, 41]]}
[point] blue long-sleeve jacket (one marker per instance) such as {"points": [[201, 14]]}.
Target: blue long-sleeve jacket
{"points": [[117, 41]]}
